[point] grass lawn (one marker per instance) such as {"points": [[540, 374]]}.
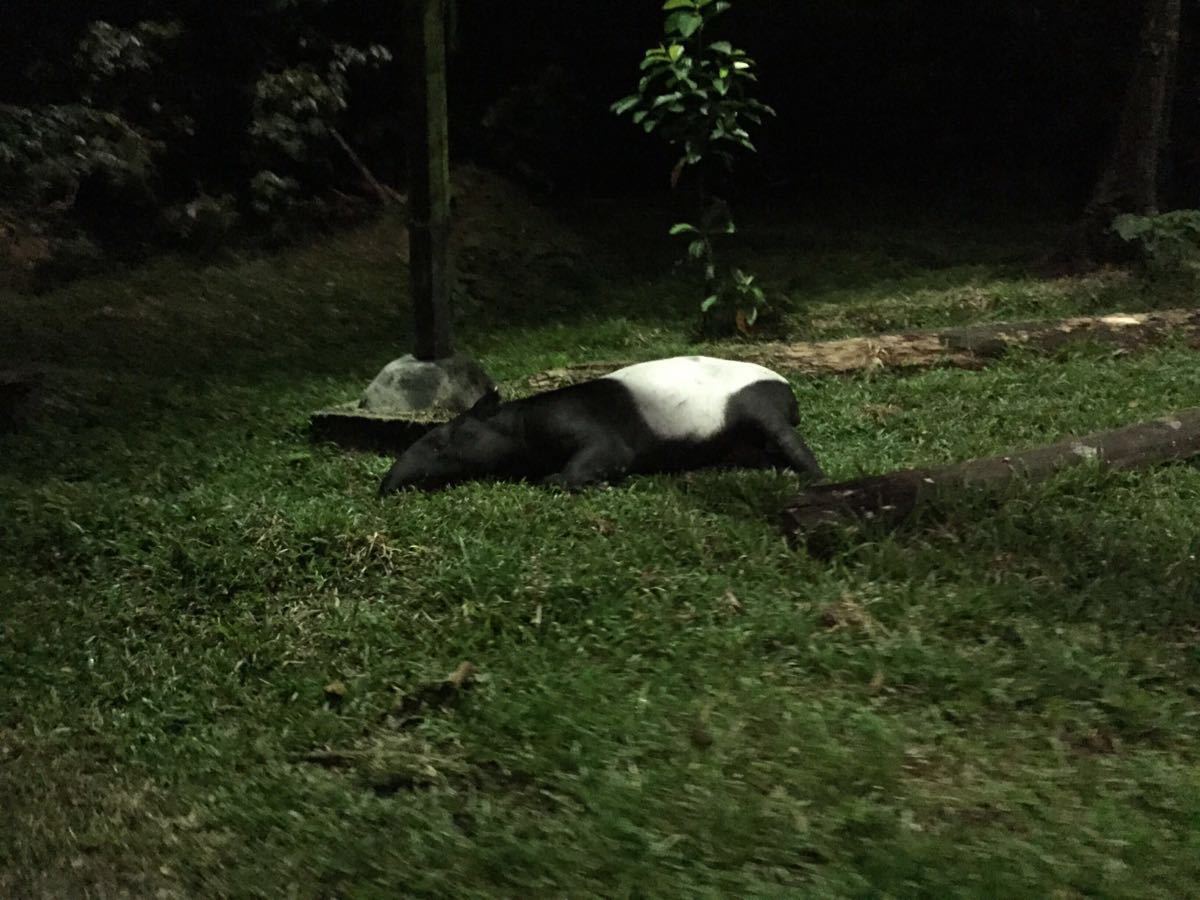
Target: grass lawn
{"points": [[1003, 700]]}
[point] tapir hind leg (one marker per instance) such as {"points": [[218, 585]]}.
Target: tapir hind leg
{"points": [[791, 447], [770, 409], [604, 461]]}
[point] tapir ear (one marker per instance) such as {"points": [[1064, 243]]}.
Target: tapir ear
{"points": [[485, 405]]}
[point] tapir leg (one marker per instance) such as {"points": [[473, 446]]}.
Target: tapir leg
{"points": [[771, 410], [604, 461], [791, 447]]}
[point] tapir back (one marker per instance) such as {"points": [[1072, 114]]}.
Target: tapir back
{"points": [[686, 398]]}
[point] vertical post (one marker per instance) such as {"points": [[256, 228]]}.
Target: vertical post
{"points": [[429, 177]]}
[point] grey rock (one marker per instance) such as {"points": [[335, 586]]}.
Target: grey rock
{"points": [[408, 385]]}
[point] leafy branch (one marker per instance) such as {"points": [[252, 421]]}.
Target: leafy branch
{"points": [[695, 94]]}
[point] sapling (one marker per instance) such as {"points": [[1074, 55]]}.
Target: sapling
{"points": [[694, 92]]}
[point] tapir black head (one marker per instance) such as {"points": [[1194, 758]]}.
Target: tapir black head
{"points": [[467, 447]]}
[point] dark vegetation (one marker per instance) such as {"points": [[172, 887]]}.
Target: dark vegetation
{"points": [[125, 125], [226, 669]]}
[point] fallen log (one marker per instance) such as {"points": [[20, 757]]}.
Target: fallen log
{"points": [[819, 516], [970, 347]]}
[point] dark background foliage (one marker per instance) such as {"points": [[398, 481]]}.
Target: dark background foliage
{"points": [[918, 94], [978, 100]]}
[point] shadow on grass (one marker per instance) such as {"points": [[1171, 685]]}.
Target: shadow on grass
{"points": [[1082, 547]]}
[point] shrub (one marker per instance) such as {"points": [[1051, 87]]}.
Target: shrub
{"points": [[1167, 241], [695, 94]]}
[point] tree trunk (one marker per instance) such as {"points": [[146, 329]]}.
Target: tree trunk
{"points": [[819, 516], [1129, 182], [429, 178]]}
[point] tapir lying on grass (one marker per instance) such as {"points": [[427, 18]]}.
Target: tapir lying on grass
{"points": [[688, 412]]}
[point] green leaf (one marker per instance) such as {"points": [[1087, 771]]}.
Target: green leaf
{"points": [[675, 51], [709, 302], [664, 99], [752, 316], [696, 249], [1129, 227], [623, 106], [723, 47], [678, 4], [683, 24], [683, 228]]}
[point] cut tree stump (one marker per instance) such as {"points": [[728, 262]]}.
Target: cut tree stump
{"points": [[818, 517], [970, 347]]}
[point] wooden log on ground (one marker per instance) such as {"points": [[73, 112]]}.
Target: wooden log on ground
{"points": [[821, 513], [969, 347]]}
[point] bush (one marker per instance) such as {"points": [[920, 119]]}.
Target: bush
{"points": [[46, 154], [1167, 241], [695, 93], [139, 135], [203, 224], [295, 121]]}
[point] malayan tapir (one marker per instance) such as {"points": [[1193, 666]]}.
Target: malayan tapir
{"points": [[688, 412]]}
